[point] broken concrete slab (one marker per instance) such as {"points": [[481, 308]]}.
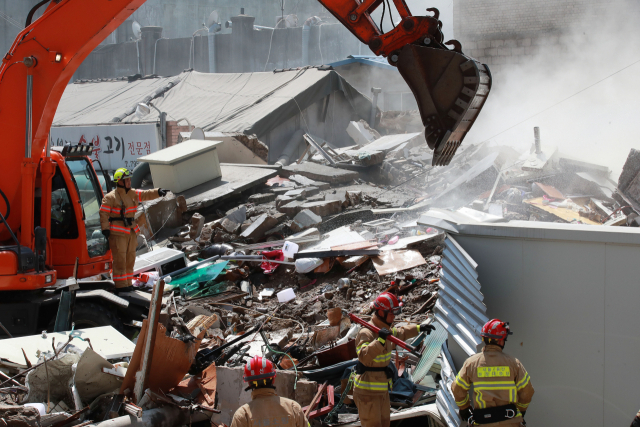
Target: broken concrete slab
{"points": [[278, 191], [305, 219], [238, 214], [324, 208], [360, 134], [339, 195], [258, 199], [230, 226], [234, 180], [316, 198], [306, 182], [302, 193], [391, 142], [320, 172], [291, 208], [283, 200], [297, 194], [259, 226]]}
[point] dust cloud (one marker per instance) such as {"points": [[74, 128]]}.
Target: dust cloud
{"points": [[582, 93]]}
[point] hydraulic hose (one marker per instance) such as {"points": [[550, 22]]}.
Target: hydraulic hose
{"points": [[33, 11], [6, 217]]}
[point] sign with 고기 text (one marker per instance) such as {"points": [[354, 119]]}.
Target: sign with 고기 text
{"points": [[116, 146]]}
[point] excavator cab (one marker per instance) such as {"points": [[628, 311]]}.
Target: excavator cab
{"points": [[449, 86]]}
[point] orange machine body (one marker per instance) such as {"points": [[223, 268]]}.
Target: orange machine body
{"points": [[33, 76]]}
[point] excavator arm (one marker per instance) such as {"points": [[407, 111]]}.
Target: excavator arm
{"points": [[450, 87], [33, 76]]}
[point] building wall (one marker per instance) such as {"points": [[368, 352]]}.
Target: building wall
{"points": [[268, 50], [173, 131], [180, 18], [502, 33], [570, 297]]}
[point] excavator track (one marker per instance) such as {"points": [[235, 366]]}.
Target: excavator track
{"points": [[450, 88]]}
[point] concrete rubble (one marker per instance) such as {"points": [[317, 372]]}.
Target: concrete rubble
{"points": [[336, 228]]}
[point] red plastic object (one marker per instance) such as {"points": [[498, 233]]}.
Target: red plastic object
{"points": [[270, 267]]}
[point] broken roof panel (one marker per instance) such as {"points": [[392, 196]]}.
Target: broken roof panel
{"points": [[100, 102]]}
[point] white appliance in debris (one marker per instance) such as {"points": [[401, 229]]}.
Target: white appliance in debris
{"points": [[184, 165], [162, 260]]}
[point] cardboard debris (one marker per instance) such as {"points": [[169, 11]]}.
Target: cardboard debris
{"points": [[172, 359], [394, 261]]}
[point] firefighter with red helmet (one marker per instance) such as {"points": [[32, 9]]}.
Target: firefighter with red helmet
{"points": [[266, 408], [502, 388], [373, 380]]}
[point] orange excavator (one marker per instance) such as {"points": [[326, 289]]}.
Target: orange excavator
{"points": [[50, 197]]}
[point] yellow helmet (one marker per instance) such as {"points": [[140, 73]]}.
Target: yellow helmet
{"points": [[122, 173]]}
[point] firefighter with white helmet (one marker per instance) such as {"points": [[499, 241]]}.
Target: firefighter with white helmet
{"points": [[266, 408], [373, 380], [502, 388], [118, 223]]}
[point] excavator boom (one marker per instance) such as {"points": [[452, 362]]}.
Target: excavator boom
{"points": [[49, 50], [450, 87]]}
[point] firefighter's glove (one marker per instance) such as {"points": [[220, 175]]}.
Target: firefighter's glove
{"points": [[383, 334], [162, 192], [466, 415], [106, 234], [426, 327]]}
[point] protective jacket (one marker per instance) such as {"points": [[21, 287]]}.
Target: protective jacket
{"points": [[372, 353], [267, 409], [121, 203], [497, 379]]}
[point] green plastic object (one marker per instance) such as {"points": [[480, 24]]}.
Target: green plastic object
{"points": [[202, 273]]}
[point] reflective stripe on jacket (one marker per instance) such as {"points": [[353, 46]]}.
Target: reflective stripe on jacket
{"points": [[267, 409], [374, 354], [497, 379], [113, 203]]}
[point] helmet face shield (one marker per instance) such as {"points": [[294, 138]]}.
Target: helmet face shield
{"points": [[396, 310], [122, 173]]}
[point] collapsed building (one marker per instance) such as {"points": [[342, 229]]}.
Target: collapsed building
{"points": [[274, 107]]}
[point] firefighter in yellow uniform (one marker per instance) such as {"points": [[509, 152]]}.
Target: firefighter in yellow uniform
{"points": [[266, 408], [117, 220], [373, 380], [502, 388]]}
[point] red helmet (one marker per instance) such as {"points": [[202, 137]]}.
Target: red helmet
{"points": [[258, 368], [387, 302], [496, 329]]}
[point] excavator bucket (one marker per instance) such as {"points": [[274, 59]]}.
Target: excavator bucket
{"points": [[450, 89]]}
